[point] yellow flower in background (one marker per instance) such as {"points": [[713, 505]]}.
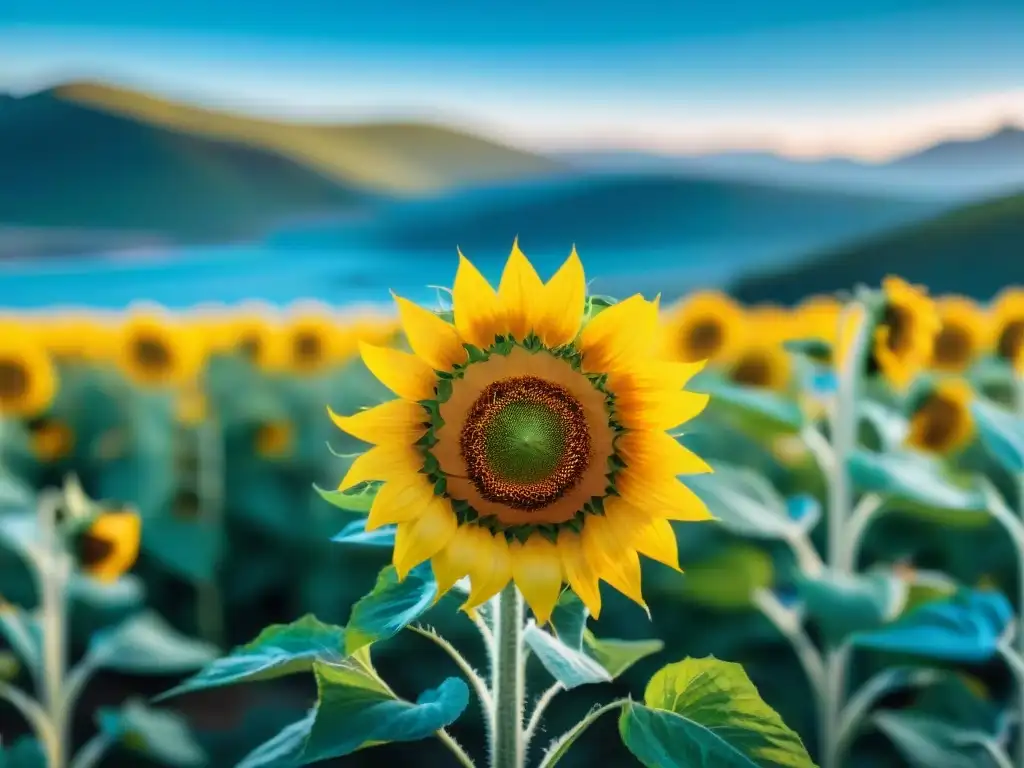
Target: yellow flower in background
{"points": [[190, 407], [817, 317], [705, 326], [313, 341], [156, 350], [28, 378], [274, 439], [1008, 327], [905, 335], [76, 336], [257, 336], [110, 546], [942, 422], [51, 439], [763, 362], [512, 427], [962, 336]]}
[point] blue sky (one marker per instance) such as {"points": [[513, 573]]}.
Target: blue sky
{"points": [[866, 77]]}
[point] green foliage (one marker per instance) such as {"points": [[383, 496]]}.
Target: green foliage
{"points": [[162, 736], [390, 606], [705, 713]]}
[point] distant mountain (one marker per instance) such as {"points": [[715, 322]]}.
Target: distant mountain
{"points": [[950, 170], [974, 250], [382, 157], [665, 226]]}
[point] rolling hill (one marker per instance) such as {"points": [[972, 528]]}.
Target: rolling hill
{"points": [[975, 250], [391, 158]]}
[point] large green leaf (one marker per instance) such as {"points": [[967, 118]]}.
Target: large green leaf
{"points": [[744, 502], [569, 619], [705, 713], [914, 480], [927, 742], [145, 644], [841, 604], [1002, 434], [390, 606], [616, 656], [26, 752], [355, 709], [758, 411], [570, 667], [162, 736], [279, 650]]}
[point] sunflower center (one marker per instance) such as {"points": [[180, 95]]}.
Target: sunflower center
{"points": [[525, 442], [307, 346], [1011, 340], [753, 370], [93, 550], [249, 346], [151, 353], [953, 346], [13, 379], [900, 323], [705, 337], [941, 420]]}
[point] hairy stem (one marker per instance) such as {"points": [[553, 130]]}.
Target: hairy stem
{"points": [[507, 683], [454, 747]]}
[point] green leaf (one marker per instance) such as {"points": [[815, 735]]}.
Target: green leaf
{"points": [[818, 350], [355, 709], [927, 742], [728, 579], [26, 752], [1002, 434], [279, 650], [390, 606], [569, 619], [841, 604], [616, 656], [705, 713], [880, 428], [161, 736], [358, 499], [758, 411], [560, 746], [129, 591], [570, 667], [745, 502], [914, 480], [22, 632], [145, 644]]}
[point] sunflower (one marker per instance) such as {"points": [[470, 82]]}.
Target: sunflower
{"points": [[941, 422], [763, 362], [51, 440], [963, 334], [704, 326], [110, 545], [1008, 327], [157, 350], [528, 439], [76, 336], [255, 333], [274, 439], [904, 336], [313, 340], [28, 378]]}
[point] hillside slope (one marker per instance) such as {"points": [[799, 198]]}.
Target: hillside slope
{"points": [[975, 250], [67, 166], [386, 157]]}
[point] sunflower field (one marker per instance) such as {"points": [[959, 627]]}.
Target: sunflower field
{"points": [[529, 526]]}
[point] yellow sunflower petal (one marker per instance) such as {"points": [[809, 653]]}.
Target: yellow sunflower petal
{"points": [[425, 536], [656, 539], [518, 292], [666, 496], [614, 562], [619, 334], [400, 500], [459, 558], [404, 374], [579, 572], [562, 300], [658, 376], [478, 317], [393, 421], [430, 337], [663, 410], [382, 462], [537, 570], [659, 453], [491, 572]]}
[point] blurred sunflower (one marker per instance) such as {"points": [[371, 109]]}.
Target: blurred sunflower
{"points": [[962, 336], [274, 439], [1008, 327], [314, 341], [28, 378], [108, 548], [51, 439], [905, 334], [76, 336], [763, 362], [155, 350], [255, 333], [941, 422], [527, 443], [704, 326]]}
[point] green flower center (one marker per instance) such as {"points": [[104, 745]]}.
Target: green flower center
{"points": [[525, 442]]}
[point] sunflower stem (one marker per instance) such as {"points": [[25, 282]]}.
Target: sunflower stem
{"points": [[507, 684], [843, 419], [1019, 403], [52, 574]]}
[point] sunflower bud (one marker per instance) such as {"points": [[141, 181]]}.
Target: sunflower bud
{"points": [[108, 545]]}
